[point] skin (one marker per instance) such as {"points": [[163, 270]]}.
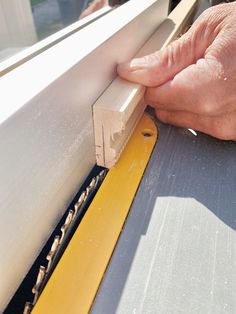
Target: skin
{"points": [[93, 7], [192, 82]]}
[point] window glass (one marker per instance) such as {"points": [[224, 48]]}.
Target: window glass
{"points": [[25, 22]]}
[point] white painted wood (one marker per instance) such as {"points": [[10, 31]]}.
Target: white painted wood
{"points": [[117, 111], [46, 131], [116, 114]]}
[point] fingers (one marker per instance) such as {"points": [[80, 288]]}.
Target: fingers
{"points": [[157, 68], [185, 119], [221, 127], [191, 83], [161, 66], [197, 89]]}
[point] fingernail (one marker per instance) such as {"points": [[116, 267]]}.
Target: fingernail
{"points": [[133, 65]]}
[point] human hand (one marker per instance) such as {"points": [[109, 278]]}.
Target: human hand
{"points": [[93, 7], [192, 82]]}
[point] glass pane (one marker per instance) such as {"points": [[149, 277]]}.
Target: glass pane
{"points": [[25, 22]]}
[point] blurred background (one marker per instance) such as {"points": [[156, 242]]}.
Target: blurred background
{"points": [[25, 22]]}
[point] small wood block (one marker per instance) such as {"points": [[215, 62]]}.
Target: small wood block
{"points": [[115, 116]]}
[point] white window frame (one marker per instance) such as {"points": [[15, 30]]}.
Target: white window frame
{"points": [[46, 132], [26, 54]]}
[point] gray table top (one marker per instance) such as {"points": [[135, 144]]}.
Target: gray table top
{"points": [[177, 252]]}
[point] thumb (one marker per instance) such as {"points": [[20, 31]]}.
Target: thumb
{"points": [[161, 66]]}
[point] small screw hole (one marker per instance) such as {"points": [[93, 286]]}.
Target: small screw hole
{"points": [[147, 133]]}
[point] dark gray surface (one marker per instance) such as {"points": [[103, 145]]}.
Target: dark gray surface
{"points": [[177, 252]]}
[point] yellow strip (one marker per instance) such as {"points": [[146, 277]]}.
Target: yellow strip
{"points": [[75, 281]]}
